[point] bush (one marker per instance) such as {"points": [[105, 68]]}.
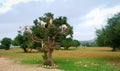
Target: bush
{"points": [[6, 42]]}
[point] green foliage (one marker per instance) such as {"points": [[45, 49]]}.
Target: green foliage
{"points": [[23, 40], [36, 46], [15, 43], [6, 42], [100, 37], [19, 39], [66, 43], [39, 32], [109, 35], [60, 20], [69, 42], [75, 43], [51, 31]]}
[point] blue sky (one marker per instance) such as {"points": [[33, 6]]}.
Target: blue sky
{"points": [[84, 15]]}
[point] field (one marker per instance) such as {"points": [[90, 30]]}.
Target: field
{"points": [[74, 59]]}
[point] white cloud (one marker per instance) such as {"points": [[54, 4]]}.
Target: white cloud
{"points": [[96, 18], [6, 5]]}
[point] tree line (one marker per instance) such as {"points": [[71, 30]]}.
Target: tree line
{"points": [[109, 35]]}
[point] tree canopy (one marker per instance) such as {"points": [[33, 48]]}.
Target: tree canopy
{"points": [[68, 42], [6, 42]]}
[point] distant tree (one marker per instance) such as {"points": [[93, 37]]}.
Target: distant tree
{"points": [[6, 42], [75, 43], [15, 43], [69, 42], [23, 40], [66, 43], [110, 34], [100, 37], [89, 43]]}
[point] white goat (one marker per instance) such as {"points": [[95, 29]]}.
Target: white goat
{"points": [[42, 23], [51, 22], [27, 28], [63, 28]]}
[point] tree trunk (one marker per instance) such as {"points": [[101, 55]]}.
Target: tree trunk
{"points": [[50, 57], [30, 50], [66, 48], [48, 60], [7, 47], [25, 50]]}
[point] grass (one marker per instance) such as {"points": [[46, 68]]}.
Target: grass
{"points": [[80, 59], [85, 64], [31, 62]]}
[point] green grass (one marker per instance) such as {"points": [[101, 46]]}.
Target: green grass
{"points": [[89, 59], [31, 62], [84, 64]]}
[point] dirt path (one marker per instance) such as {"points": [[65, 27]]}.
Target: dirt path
{"points": [[8, 65]]}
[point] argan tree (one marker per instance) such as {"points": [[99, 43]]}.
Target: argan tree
{"points": [[47, 33], [48, 30]]}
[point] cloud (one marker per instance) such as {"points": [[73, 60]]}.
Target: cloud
{"points": [[6, 5], [96, 18]]}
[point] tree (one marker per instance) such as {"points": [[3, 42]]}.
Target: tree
{"points": [[14, 43], [100, 37], [75, 43], [69, 42], [6, 42], [66, 43], [47, 32], [23, 40], [109, 35]]}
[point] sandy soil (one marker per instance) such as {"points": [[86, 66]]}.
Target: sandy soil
{"points": [[8, 65]]}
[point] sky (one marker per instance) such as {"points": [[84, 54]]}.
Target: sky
{"points": [[84, 15]]}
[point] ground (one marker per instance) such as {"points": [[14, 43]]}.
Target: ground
{"points": [[9, 65], [74, 59]]}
